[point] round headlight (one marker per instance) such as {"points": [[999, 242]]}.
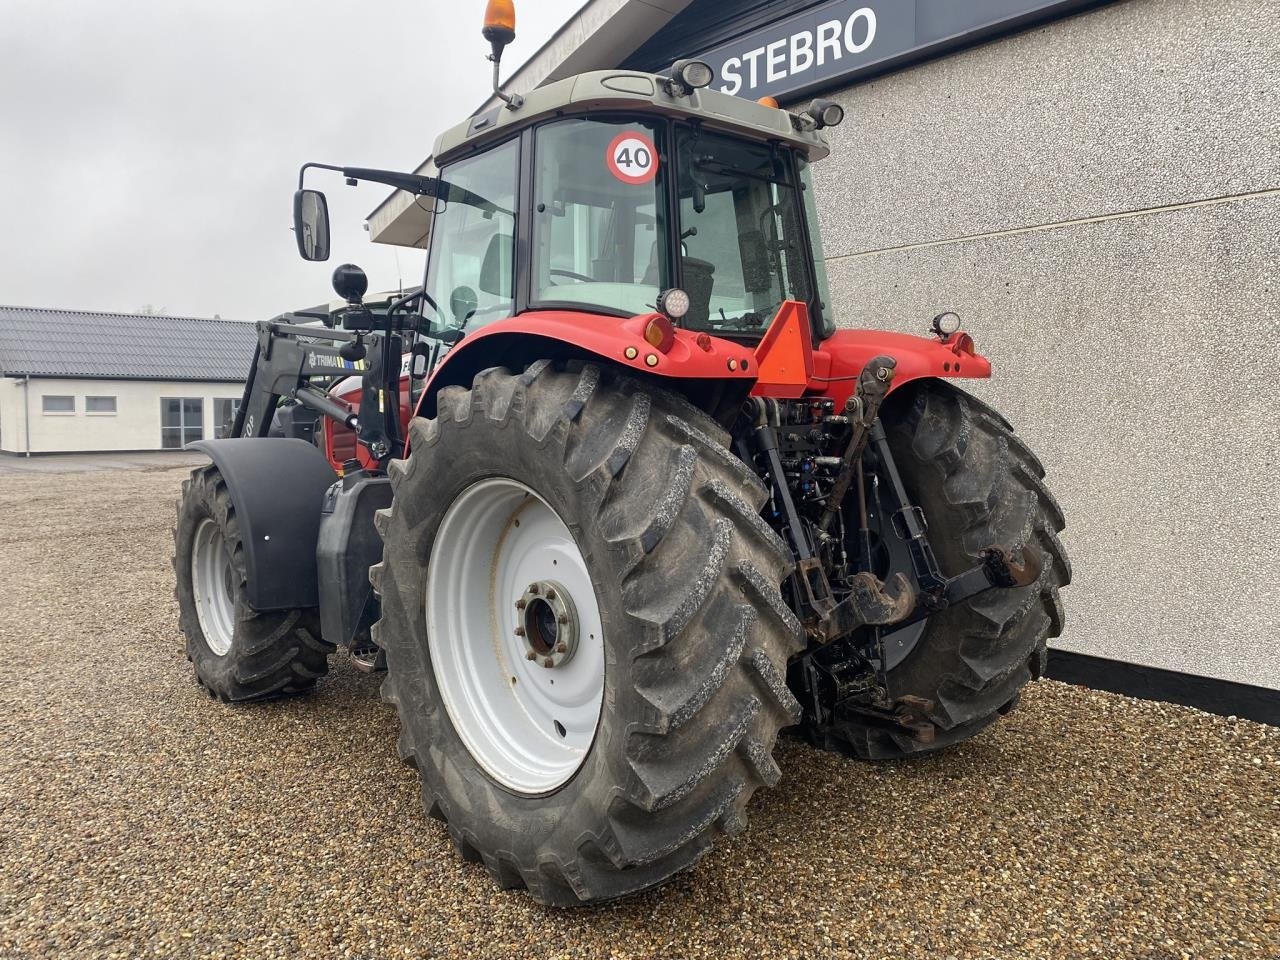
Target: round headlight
{"points": [[945, 324], [692, 74], [674, 303]]}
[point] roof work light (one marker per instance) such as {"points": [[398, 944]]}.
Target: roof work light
{"points": [[824, 113], [688, 76]]}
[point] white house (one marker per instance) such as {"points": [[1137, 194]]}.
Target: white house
{"points": [[73, 380]]}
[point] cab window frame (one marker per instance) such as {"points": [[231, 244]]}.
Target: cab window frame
{"points": [[444, 319]]}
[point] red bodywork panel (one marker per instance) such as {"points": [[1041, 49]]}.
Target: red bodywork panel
{"points": [[784, 364], [689, 356]]}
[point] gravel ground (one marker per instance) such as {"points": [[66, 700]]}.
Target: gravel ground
{"points": [[142, 819]]}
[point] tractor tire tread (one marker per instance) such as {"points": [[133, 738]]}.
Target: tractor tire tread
{"points": [[710, 700]]}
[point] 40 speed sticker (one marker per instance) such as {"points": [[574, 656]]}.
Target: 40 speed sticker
{"points": [[631, 157]]}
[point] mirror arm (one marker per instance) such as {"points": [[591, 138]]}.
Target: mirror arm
{"points": [[302, 173], [409, 182]]}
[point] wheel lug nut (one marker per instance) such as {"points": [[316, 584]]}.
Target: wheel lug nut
{"points": [[548, 662], [519, 631], [562, 647], [531, 655], [551, 593], [563, 618], [521, 604], [533, 589]]}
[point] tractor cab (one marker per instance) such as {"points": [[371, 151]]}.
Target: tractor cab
{"points": [[602, 193], [601, 200]]}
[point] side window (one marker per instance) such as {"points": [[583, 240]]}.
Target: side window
{"points": [[819, 257], [470, 267]]}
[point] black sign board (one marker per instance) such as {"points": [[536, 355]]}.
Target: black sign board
{"points": [[841, 39]]}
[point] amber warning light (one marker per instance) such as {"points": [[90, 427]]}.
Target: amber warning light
{"points": [[500, 22], [499, 30]]}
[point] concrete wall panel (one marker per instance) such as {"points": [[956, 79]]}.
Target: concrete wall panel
{"points": [[1138, 104], [1138, 358]]}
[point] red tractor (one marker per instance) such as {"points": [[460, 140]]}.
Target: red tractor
{"points": [[615, 499]]}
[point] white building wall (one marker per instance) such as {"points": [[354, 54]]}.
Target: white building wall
{"points": [[134, 426], [12, 429]]}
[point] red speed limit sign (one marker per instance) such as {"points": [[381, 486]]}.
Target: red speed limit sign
{"points": [[631, 157]]}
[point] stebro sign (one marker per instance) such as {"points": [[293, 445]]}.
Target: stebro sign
{"points": [[842, 38], [817, 45]]}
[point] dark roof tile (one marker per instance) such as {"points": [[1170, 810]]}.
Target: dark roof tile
{"points": [[45, 342]]}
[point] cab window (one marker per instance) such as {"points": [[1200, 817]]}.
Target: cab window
{"points": [[743, 249], [469, 269], [599, 236]]}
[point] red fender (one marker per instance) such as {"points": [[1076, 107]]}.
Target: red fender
{"points": [[678, 355], [784, 364], [841, 357], [790, 368]]}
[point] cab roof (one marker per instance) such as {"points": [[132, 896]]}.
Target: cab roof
{"points": [[631, 91]]}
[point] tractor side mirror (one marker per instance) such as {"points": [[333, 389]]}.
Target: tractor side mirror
{"points": [[311, 224]]}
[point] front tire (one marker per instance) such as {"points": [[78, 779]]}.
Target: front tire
{"points": [[238, 653], [683, 579]]}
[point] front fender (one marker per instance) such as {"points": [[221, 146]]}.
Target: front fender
{"points": [[277, 486], [564, 334]]}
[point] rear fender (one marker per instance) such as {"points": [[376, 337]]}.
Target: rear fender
{"points": [[277, 486], [790, 367], [840, 358], [694, 364]]}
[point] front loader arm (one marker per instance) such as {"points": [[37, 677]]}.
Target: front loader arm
{"points": [[285, 360]]}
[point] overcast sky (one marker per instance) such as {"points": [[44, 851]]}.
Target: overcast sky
{"points": [[149, 150]]}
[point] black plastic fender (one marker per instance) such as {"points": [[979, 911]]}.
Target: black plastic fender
{"points": [[277, 486]]}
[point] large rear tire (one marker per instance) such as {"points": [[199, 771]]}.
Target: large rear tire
{"points": [[979, 486], [680, 574], [238, 653]]}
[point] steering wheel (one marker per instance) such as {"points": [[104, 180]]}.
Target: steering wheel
{"points": [[748, 321], [581, 278]]}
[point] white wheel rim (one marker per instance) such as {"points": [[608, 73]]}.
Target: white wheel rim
{"points": [[211, 585], [528, 726]]}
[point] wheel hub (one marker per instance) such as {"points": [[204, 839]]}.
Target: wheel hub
{"points": [[548, 623], [212, 587], [515, 635]]}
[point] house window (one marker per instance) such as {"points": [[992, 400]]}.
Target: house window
{"points": [[224, 415], [99, 404], [181, 421], [58, 404]]}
